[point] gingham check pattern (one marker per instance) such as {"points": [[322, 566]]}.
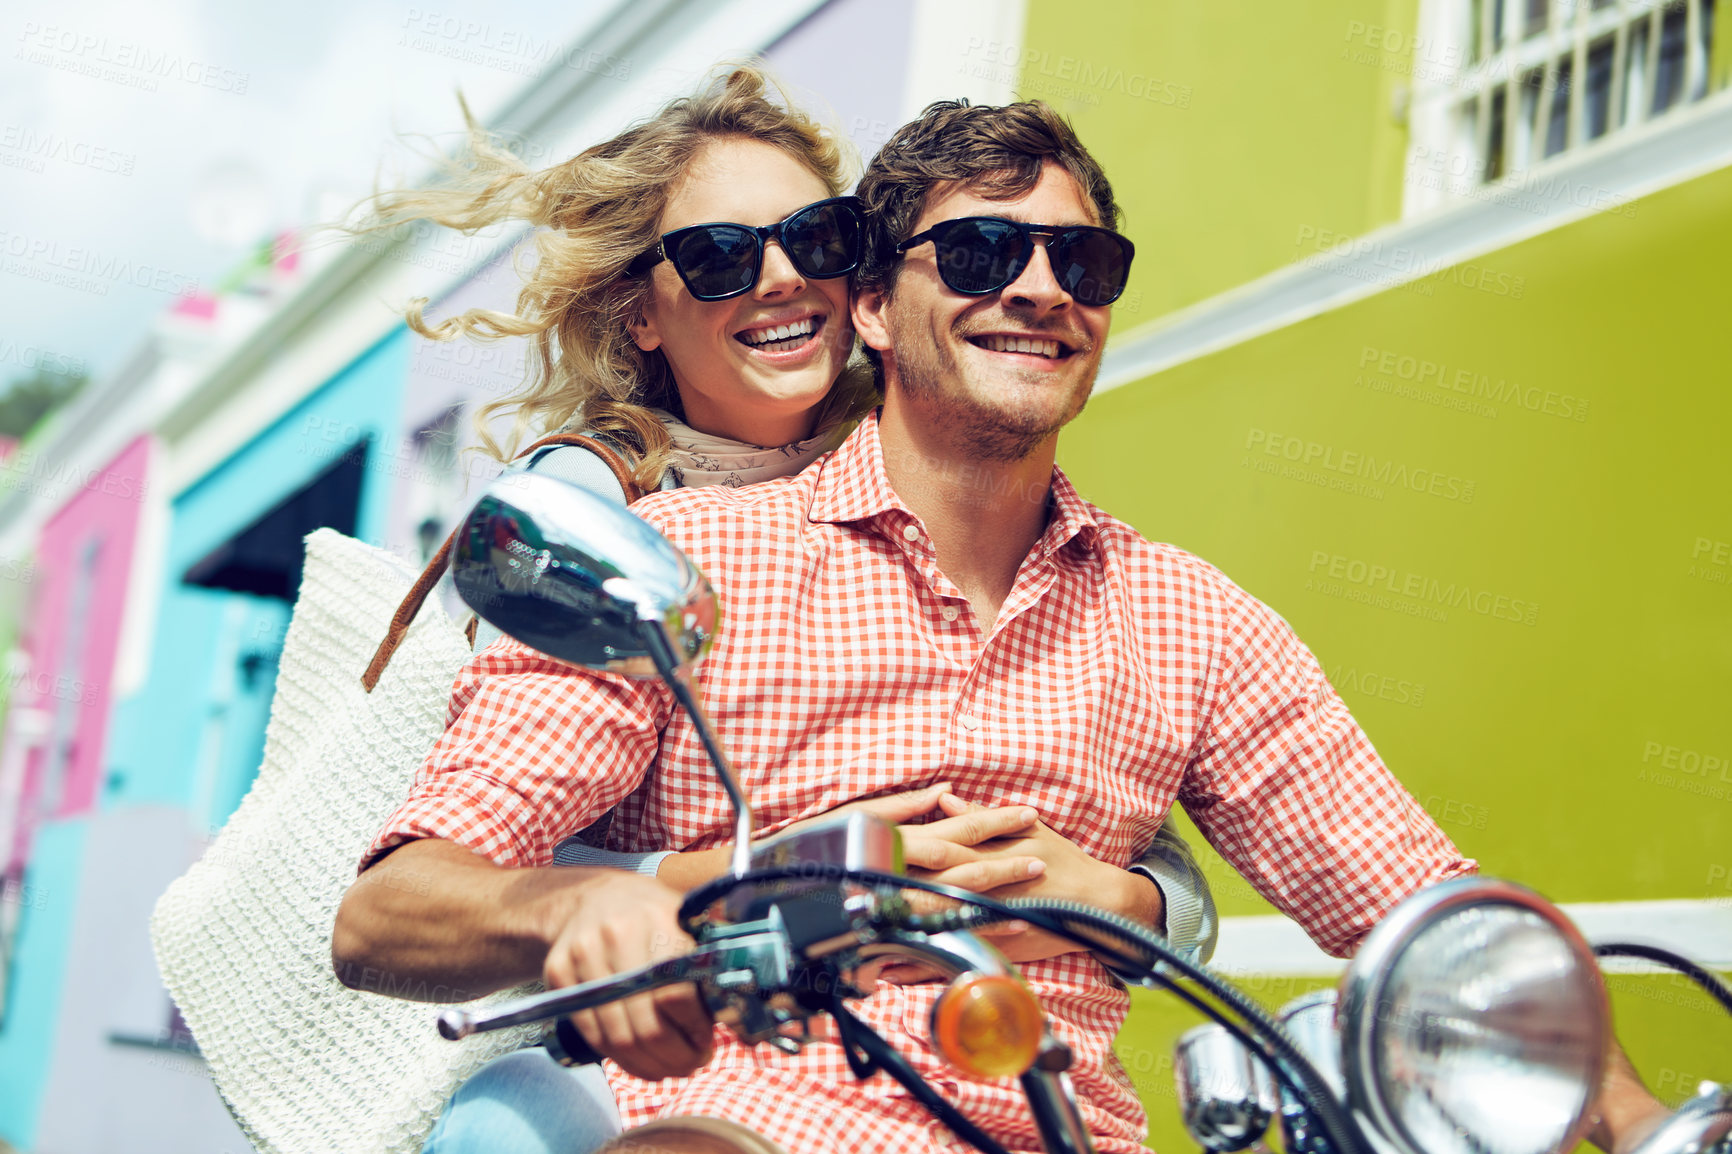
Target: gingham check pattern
{"points": [[1120, 675]]}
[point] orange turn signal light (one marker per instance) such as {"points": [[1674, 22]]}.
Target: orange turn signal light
{"points": [[988, 1025]]}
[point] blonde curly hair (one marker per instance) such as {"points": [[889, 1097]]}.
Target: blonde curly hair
{"points": [[593, 215]]}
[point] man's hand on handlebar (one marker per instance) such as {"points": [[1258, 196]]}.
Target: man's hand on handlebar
{"points": [[619, 923]]}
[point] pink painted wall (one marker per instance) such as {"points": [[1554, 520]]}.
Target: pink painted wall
{"points": [[71, 635]]}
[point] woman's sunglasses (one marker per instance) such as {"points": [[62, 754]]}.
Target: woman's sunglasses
{"points": [[719, 261], [981, 254]]}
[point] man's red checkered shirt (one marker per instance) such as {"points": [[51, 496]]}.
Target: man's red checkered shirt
{"points": [[1120, 676]]}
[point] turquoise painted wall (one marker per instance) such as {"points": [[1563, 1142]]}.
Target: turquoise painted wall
{"points": [[35, 988], [193, 735], [167, 729]]}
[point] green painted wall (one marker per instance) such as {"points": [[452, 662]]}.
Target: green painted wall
{"points": [[1589, 752], [1551, 438], [1230, 128]]}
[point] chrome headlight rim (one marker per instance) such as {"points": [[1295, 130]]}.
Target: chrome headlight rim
{"points": [[1366, 983]]}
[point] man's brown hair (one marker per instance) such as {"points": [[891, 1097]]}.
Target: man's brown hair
{"points": [[996, 150]]}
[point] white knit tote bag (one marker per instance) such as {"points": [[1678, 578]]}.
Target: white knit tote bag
{"points": [[243, 940]]}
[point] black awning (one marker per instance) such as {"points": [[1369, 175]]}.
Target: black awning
{"points": [[265, 558]]}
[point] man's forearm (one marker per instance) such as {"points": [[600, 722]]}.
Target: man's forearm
{"points": [[437, 922]]}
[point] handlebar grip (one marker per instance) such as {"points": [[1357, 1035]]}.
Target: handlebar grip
{"points": [[566, 1046]]}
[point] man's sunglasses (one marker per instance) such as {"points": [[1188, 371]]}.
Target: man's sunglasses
{"points": [[981, 254], [719, 261]]}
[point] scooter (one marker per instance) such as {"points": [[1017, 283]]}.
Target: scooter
{"points": [[1473, 1019]]}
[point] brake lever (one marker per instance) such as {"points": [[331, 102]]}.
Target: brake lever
{"points": [[457, 1023], [751, 960]]}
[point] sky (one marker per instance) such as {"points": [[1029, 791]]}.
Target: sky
{"points": [[146, 146]]}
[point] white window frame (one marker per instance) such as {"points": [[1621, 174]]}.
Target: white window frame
{"points": [[1458, 79]]}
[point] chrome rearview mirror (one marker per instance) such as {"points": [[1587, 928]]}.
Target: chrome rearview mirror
{"points": [[583, 580], [575, 576]]}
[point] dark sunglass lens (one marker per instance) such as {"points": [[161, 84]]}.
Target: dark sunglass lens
{"points": [[1091, 265], [823, 241], [978, 256], [717, 260]]}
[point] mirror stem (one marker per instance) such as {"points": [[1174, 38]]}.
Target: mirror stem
{"points": [[656, 641]]}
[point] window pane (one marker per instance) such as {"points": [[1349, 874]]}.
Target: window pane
{"points": [[1536, 17], [1557, 128], [1494, 140], [1524, 151], [1597, 100], [1497, 25], [1707, 45], [1635, 72], [1669, 74]]}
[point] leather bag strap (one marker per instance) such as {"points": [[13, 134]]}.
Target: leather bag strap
{"points": [[417, 595]]}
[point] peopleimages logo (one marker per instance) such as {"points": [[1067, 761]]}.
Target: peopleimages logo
{"points": [[1464, 175], [1069, 77], [1407, 263], [1480, 386], [507, 49], [44, 146], [45, 686], [29, 470], [1367, 467], [86, 269], [41, 360], [1688, 762], [122, 61], [1400, 590], [1385, 686]]}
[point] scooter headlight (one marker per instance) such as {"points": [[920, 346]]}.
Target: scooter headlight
{"points": [[1474, 1020]]}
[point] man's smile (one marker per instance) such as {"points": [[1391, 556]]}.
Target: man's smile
{"points": [[1038, 346], [1045, 350]]}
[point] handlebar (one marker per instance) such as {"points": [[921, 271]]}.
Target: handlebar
{"points": [[457, 1023], [761, 936]]}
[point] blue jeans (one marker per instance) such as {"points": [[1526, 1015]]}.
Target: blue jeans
{"points": [[526, 1103]]}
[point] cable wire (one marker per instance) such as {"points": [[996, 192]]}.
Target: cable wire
{"points": [[1717, 989]]}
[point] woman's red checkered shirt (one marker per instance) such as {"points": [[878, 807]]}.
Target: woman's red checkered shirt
{"points": [[1120, 676]]}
